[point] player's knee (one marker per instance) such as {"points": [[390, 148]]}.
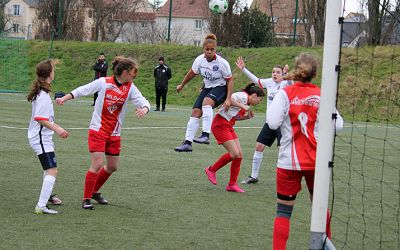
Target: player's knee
{"points": [[260, 147], [284, 211], [236, 155], [111, 168]]}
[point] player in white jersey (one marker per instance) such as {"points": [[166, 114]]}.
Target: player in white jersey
{"points": [[222, 128], [218, 87], [295, 110], [40, 133], [266, 136], [114, 92]]}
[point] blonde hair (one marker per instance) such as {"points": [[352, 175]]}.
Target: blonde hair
{"points": [[210, 38], [305, 68], [43, 71], [121, 63]]}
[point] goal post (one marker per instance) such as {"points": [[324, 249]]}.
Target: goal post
{"points": [[326, 130]]}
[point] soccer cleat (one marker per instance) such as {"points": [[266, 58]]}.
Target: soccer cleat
{"points": [[249, 180], [44, 210], [100, 199], [55, 200], [184, 147], [87, 204], [203, 139], [157, 109], [211, 175], [234, 188]]}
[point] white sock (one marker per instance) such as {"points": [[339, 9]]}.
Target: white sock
{"points": [[47, 188], [207, 118], [257, 159], [191, 129]]}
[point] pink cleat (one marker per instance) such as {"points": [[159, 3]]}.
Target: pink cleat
{"points": [[211, 176], [234, 188]]}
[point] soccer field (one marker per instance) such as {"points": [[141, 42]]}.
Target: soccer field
{"points": [[160, 199]]}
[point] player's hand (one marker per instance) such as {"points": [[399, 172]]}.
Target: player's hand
{"points": [[227, 105], [179, 88], [60, 101], [240, 63], [62, 132], [250, 114], [285, 69], [141, 112]]}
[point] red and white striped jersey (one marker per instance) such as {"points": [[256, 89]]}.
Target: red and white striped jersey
{"points": [[109, 111], [42, 109], [214, 73], [230, 115], [295, 111]]}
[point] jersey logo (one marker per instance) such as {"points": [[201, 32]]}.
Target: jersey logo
{"points": [[312, 100], [112, 108], [215, 68]]}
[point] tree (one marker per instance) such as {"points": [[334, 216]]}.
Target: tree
{"points": [[3, 19], [256, 29], [376, 12], [314, 21]]}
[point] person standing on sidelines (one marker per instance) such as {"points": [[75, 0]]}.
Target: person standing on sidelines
{"points": [[222, 128], [162, 73], [40, 133], [100, 70], [218, 87], [266, 136], [295, 110], [105, 126]]}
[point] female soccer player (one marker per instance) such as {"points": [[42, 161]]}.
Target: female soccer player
{"points": [[218, 86], [222, 128], [267, 136], [40, 133], [295, 111], [114, 92]]}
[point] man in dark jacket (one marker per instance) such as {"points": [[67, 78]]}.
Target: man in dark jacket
{"points": [[162, 73], [100, 70]]}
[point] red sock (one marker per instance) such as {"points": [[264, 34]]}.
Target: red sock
{"points": [[235, 169], [222, 161], [102, 177], [328, 224], [281, 233], [90, 181]]}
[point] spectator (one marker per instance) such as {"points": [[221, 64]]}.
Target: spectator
{"points": [[100, 70], [162, 73]]}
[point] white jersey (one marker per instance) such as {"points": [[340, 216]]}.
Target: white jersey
{"points": [[40, 137], [214, 73], [268, 84], [240, 97], [110, 108]]}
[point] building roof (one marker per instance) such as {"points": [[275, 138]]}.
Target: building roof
{"points": [[32, 3], [186, 8]]}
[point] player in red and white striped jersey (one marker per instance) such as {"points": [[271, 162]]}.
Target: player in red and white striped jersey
{"points": [[295, 111], [222, 128], [41, 130], [114, 92]]}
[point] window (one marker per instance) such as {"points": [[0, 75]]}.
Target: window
{"points": [[16, 10], [15, 28], [198, 24], [196, 43], [144, 24], [274, 19], [90, 14]]}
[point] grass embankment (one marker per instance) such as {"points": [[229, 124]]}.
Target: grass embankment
{"points": [[369, 84]]}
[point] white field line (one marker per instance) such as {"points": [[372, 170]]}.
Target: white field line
{"points": [[166, 127]]}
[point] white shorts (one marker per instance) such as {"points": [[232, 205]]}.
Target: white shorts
{"points": [[45, 146]]}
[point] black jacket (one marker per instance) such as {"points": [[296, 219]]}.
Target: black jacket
{"points": [[162, 73], [100, 69]]}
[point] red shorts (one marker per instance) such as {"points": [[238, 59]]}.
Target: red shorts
{"points": [[99, 141], [288, 182], [222, 129]]}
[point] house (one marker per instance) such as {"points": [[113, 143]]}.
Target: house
{"points": [[354, 30], [20, 16], [283, 14], [189, 24]]}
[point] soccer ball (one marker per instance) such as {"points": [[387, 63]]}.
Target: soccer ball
{"points": [[218, 6]]}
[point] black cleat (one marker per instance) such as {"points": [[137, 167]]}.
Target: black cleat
{"points": [[203, 139], [249, 180], [87, 204], [100, 199], [184, 147]]}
